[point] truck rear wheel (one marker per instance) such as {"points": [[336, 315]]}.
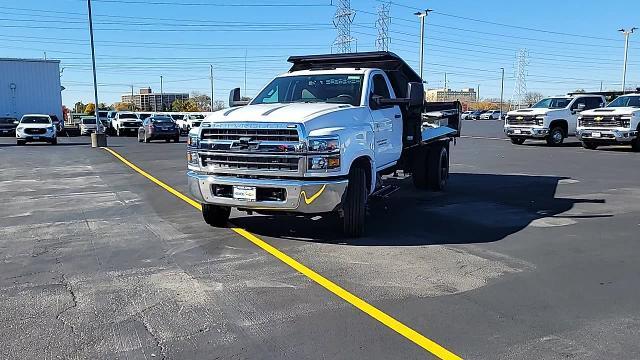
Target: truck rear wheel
{"points": [[215, 215], [517, 140], [438, 167], [589, 145], [556, 136], [355, 203]]}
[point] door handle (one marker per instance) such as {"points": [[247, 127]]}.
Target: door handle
{"points": [[397, 116]]}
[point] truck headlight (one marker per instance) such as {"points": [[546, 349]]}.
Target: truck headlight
{"points": [[539, 120], [625, 122], [192, 158], [192, 141], [323, 163], [20, 128], [324, 144]]}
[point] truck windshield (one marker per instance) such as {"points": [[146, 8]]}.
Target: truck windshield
{"points": [[625, 101], [552, 103], [334, 88], [196, 117], [89, 121], [177, 116], [128, 116], [35, 120]]}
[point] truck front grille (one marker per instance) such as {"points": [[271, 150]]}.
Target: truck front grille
{"points": [[601, 121], [130, 124], [250, 162], [521, 120], [284, 135]]}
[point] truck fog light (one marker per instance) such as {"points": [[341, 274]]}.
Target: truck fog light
{"points": [[317, 163], [333, 162]]}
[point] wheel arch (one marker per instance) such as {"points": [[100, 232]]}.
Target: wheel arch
{"points": [[562, 123], [365, 162]]}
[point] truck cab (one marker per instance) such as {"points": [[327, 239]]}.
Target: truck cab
{"points": [[552, 119], [618, 123], [318, 140]]}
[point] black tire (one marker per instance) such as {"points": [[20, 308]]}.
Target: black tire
{"points": [[146, 139], [355, 203], [438, 167], [635, 144], [517, 140], [555, 137], [589, 145], [54, 141], [20, 142], [167, 140], [215, 215], [176, 139]]}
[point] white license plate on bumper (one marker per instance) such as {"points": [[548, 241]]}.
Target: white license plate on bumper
{"points": [[517, 131], [596, 134], [36, 138], [244, 193]]}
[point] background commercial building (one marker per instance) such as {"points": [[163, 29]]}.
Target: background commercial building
{"points": [[464, 95], [29, 86], [146, 100]]}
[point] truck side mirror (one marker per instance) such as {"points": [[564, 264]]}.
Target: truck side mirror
{"points": [[415, 93], [234, 98], [375, 102]]}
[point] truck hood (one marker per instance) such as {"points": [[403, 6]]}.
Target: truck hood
{"points": [[534, 112], [276, 113], [613, 111]]}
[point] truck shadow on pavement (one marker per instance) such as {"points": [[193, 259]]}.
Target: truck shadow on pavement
{"points": [[476, 208]]}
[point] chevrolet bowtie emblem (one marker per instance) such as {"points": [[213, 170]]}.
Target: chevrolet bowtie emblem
{"points": [[519, 118], [599, 118]]}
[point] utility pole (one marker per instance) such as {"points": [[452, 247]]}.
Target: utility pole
{"points": [[161, 95], [626, 34], [213, 99], [445, 81], [501, 91], [478, 93], [245, 72], [422, 16], [132, 102], [99, 138], [600, 85]]}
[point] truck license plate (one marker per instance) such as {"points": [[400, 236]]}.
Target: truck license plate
{"points": [[596, 135], [517, 131], [36, 138], [245, 193]]}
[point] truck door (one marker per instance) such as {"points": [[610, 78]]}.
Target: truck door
{"points": [[387, 123], [576, 108]]}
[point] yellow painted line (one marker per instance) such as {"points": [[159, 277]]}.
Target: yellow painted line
{"points": [[362, 305]]}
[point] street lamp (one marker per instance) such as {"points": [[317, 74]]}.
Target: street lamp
{"points": [[626, 34], [99, 138], [421, 15]]}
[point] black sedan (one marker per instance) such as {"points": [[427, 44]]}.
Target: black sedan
{"points": [[8, 125], [158, 128]]}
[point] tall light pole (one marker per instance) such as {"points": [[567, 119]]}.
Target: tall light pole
{"points": [[213, 100], [422, 15], [501, 91], [161, 95], [99, 138], [626, 34]]}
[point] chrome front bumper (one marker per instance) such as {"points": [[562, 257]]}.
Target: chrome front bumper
{"points": [[301, 196], [611, 135], [530, 132]]}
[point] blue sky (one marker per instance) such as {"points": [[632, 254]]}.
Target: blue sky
{"points": [[571, 44]]}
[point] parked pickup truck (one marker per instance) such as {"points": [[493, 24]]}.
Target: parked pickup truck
{"points": [[319, 138], [618, 123], [552, 119], [126, 122]]}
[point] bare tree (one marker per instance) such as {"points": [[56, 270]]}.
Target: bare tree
{"points": [[202, 101], [532, 97]]}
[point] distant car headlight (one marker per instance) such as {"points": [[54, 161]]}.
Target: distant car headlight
{"points": [[329, 144]]}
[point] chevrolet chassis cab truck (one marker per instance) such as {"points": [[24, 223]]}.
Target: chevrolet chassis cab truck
{"points": [[618, 123], [552, 119], [319, 139]]}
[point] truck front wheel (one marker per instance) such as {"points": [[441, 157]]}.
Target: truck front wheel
{"points": [[355, 203], [517, 140], [215, 215], [438, 163], [556, 136]]}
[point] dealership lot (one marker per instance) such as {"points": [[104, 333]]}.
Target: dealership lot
{"points": [[531, 253]]}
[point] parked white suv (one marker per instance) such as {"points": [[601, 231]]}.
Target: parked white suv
{"points": [[491, 115], [126, 122], [36, 128], [552, 119], [618, 123]]}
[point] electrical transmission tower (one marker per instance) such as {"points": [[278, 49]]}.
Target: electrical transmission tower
{"points": [[520, 90], [342, 22], [382, 24]]}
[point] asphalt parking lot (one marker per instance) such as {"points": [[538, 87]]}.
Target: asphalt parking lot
{"points": [[531, 253]]}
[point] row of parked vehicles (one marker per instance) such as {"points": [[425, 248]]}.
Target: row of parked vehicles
{"points": [[122, 123], [585, 115], [482, 115]]}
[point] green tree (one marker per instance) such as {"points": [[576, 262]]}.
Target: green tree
{"points": [[103, 106], [178, 105]]}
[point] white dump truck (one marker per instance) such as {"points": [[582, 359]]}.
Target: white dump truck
{"points": [[319, 139]]}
